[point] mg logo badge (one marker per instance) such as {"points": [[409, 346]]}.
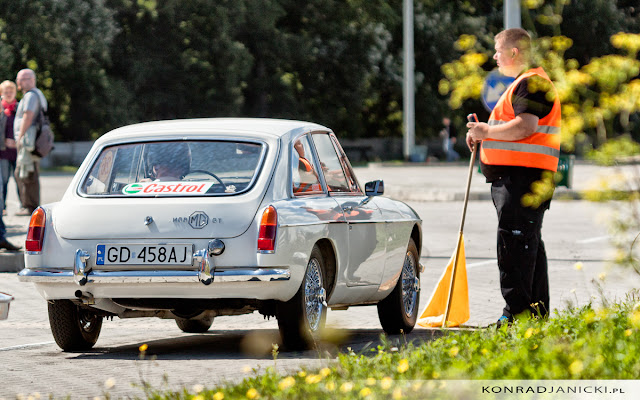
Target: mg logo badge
{"points": [[198, 220]]}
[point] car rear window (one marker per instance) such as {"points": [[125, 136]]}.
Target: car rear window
{"points": [[174, 168]]}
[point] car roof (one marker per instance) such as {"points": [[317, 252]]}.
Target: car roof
{"points": [[266, 127]]}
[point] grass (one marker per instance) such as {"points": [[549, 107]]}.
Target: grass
{"points": [[578, 343]]}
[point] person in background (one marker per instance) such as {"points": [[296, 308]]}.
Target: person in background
{"points": [[4, 243], [25, 129], [448, 135], [8, 151]]}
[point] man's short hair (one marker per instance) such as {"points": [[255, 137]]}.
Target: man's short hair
{"points": [[515, 37]]}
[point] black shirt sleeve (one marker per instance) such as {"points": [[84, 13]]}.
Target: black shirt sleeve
{"points": [[533, 95]]}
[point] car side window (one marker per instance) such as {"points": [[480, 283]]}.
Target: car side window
{"points": [[304, 176], [346, 165], [116, 166], [330, 163]]}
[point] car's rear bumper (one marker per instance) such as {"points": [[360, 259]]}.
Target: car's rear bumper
{"points": [[247, 274]]}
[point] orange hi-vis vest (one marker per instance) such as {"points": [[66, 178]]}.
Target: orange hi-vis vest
{"points": [[539, 150]]}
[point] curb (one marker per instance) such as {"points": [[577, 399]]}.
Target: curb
{"points": [[435, 196], [11, 261], [446, 196]]}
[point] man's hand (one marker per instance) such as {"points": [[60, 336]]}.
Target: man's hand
{"points": [[478, 131], [10, 143], [522, 126], [27, 120]]}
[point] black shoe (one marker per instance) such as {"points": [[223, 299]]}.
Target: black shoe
{"points": [[4, 244]]}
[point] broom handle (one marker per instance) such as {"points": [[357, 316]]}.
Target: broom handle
{"points": [[471, 118], [452, 281], [466, 194], [456, 255]]}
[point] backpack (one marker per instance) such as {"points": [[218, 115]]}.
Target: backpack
{"points": [[44, 136]]}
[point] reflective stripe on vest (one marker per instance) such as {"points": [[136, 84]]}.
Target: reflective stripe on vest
{"points": [[551, 130], [539, 150], [523, 147]]}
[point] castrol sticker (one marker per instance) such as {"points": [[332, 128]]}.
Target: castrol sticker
{"points": [[166, 188]]}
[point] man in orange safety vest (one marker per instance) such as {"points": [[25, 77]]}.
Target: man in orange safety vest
{"points": [[519, 143]]}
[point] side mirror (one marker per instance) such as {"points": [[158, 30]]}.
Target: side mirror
{"points": [[374, 188]]}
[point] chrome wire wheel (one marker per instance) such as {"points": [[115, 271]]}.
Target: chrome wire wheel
{"points": [[398, 312], [314, 295], [410, 284]]}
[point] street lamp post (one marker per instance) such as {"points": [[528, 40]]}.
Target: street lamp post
{"points": [[511, 12], [409, 86]]}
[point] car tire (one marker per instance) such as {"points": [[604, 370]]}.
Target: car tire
{"points": [[398, 312], [302, 318], [194, 325], [73, 327]]}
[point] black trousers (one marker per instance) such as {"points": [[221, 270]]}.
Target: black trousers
{"points": [[522, 259]]}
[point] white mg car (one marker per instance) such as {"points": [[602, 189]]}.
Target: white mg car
{"points": [[192, 219]]}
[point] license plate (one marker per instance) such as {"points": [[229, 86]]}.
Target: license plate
{"points": [[141, 254]]}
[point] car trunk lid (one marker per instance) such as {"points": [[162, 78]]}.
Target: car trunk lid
{"points": [[183, 218]]}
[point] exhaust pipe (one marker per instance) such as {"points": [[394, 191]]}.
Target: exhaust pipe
{"points": [[86, 297]]}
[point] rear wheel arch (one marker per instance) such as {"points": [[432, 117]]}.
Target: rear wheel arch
{"points": [[416, 235], [330, 263]]}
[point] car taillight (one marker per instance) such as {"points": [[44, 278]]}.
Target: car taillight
{"points": [[267, 232], [35, 234]]}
